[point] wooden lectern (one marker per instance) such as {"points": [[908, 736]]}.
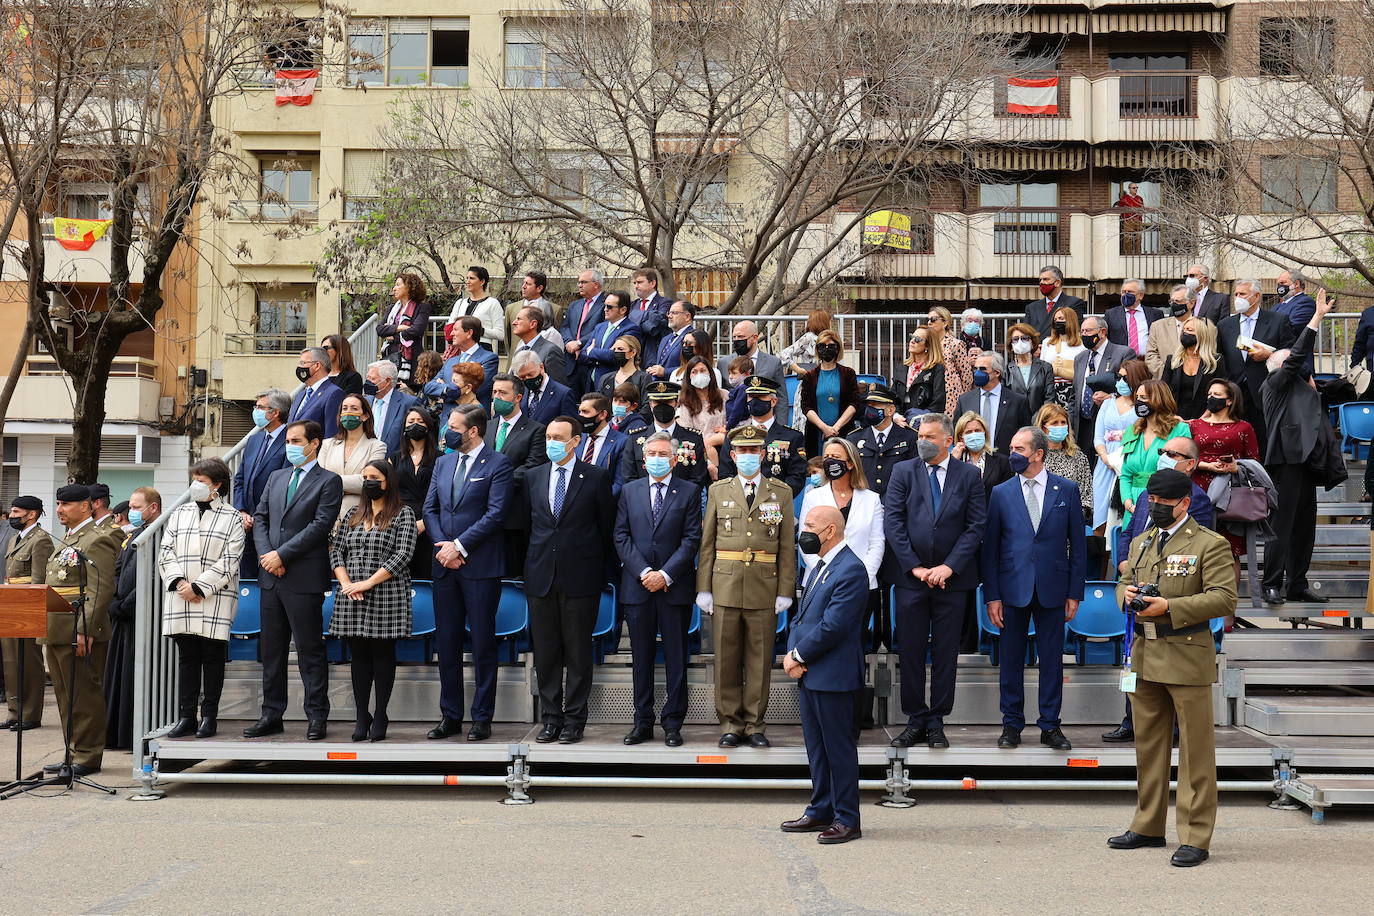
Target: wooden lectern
{"points": [[24, 611]]}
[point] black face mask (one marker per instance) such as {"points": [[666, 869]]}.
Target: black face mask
{"points": [[373, 489], [1216, 405], [741, 347], [589, 425], [1188, 341], [1178, 309], [18, 524], [532, 384], [303, 373], [417, 431], [688, 352], [828, 352], [758, 407], [834, 468], [809, 542], [664, 413], [1142, 409], [874, 416], [1283, 289], [1162, 516], [1090, 341], [1061, 327], [369, 387], [619, 358]]}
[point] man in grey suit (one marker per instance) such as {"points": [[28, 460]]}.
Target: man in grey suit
{"points": [[532, 288], [1204, 301], [1003, 410], [527, 330], [745, 343], [291, 534], [1100, 356]]}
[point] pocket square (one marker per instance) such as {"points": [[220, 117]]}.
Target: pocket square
{"points": [[475, 479]]}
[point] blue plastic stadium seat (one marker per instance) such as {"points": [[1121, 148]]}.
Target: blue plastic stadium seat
{"points": [[1112, 535], [992, 636], [1357, 428], [419, 646], [792, 382], [1218, 627], [335, 649], [1099, 617], [246, 631], [607, 624], [873, 379], [513, 619], [780, 641]]}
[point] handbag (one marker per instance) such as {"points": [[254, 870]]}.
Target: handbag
{"points": [[1247, 502]]}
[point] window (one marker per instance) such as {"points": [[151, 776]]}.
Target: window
{"points": [[1153, 94], [1017, 229], [1294, 184], [280, 319], [364, 175], [409, 52], [87, 206], [581, 181], [531, 65], [1289, 47], [288, 187]]}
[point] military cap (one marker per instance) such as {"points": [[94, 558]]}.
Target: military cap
{"points": [[662, 391], [880, 394], [99, 491], [27, 503], [758, 384], [1169, 484], [748, 434], [74, 493]]}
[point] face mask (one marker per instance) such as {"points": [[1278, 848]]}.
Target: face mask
{"points": [[349, 421], [1192, 283], [417, 431], [658, 466], [303, 373], [1162, 515], [1165, 463], [199, 491], [453, 439], [1216, 405], [295, 454], [259, 417], [748, 464], [1142, 409], [1240, 304], [1061, 327], [1046, 289], [532, 384], [1057, 433], [372, 489], [975, 442], [1018, 461], [688, 351], [740, 347], [369, 387], [1123, 388], [874, 416], [589, 425], [971, 329], [1090, 340], [1283, 289], [815, 480], [1178, 309], [1128, 300], [619, 410], [664, 413], [502, 408], [828, 352], [619, 358], [1020, 347], [556, 450], [701, 380], [1188, 341], [980, 378], [834, 468], [17, 524], [758, 407], [809, 542], [135, 518], [926, 449]]}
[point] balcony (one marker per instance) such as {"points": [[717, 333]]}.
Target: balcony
{"points": [[44, 392], [988, 120], [1146, 249], [1017, 243], [260, 233], [1155, 106], [64, 266]]}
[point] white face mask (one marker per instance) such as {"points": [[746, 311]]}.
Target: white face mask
{"points": [[1241, 304], [700, 380], [1192, 283], [199, 491], [1020, 347]]}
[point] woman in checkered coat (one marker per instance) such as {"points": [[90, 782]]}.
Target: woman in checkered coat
{"points": [[199, 565], [370, 552]]}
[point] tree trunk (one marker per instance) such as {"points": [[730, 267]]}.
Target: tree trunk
{"points": [[83, 464]]}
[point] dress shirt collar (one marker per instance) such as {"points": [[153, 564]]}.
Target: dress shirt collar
{"points": [[1042, 480], [476, 450], [25, 533], [830, 554], [89, 521]]}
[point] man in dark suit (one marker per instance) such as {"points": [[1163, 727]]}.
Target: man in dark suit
{"points": [[1294, 416], [1293, 301], [583, 314], [595, 355], [1034, 566], [602, 443], [514, 434], [291, 535], [1261, 333], [882, 444], [1040, 312], [680, 316], [467, 336], [319, 400], [1204, 301], [469, 496], [825, 654], [544, 398], [691, 455], [784, 449], [649, 310], [744, 341], [1003, 410], [657, 533], [527, 329], [1100, 355], [572, 526], [1128, 324], [389, 403], [933, 517], [264, 454]]}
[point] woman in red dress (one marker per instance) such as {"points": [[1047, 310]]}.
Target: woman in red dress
{"points": [[1221, 442]]}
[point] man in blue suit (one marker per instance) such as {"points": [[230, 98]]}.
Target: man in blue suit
{"points": [[465, 508], [1034, 564], [825, 653], [595, 356], [264, 453], [680, 316], [467, 337], [389, 403], [319, 400], [544, 398], [1293, 301], [650, 311], [582, 315], [934, 512], [657, 533], [602, 443]]}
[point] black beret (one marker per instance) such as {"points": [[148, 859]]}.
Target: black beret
{"points": [[74, 493], [27, 503], [99, 491], [1169, 484]]}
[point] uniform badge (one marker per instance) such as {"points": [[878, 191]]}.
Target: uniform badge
{"points": [[687, 453], [770, 514]]}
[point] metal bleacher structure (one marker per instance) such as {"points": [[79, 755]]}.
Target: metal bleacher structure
{"points": [[1294, 702]]}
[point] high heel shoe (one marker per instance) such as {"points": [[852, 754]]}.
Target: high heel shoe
{"points": [[361, 727], [378, 730]]}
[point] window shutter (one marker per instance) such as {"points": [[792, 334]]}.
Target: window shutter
{"points": [[519, 35], [456, 24], [363, 171], [409, 26]]}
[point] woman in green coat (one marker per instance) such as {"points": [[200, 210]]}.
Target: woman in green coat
{"points": [[1141, 443]]}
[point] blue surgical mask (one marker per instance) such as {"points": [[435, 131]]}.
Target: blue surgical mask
{"points": [[972, 328], [658, 465], [619, 410], [975, 442], [1122, 388], [556, 450], [980, 378], [748, 464], [295, 454], [1057, 433], [136, 518], [1165, 463], [259, 417], [816, 480]]}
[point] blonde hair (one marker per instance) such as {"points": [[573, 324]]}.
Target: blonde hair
{"points": [[829, 336], [1071, 334], [857, 479], [935, 349], [1206, 334], [1050, 412], [633, 345], [972, 417]]}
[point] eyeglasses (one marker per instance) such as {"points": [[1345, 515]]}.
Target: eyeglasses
{"points": [[1177, 456]]}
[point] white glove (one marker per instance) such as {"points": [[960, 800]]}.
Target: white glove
{"points": [[704, 602], [781, 605]]}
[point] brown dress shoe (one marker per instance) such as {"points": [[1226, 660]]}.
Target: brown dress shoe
{"points": [[838, 833], [805, 824]]}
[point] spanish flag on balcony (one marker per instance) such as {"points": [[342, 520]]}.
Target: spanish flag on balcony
{"points": [[888, 227], [1033, 96], [78, 234], [296, 87]]}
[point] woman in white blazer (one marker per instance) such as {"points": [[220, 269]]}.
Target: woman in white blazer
{"points": [[198, 562], [351, 449], [846, 488]]}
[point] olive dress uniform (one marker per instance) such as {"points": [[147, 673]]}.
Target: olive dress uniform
{"points": [[87, 727], [26, 563], [747, 561], [1174, 659]]}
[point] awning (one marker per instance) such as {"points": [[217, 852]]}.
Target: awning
{"points": [[904, 292], [688, 145], [1043, 23], [1018, 292], [1017, 159], [1204, 21], [1163, 157]]}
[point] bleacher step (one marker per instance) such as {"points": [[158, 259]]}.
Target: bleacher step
{"points": [[1344, 645], [1304, 673], [1351, 716]]}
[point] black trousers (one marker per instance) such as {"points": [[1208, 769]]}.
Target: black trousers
{"points": [[646, 622], [1289, 552], [934, 618], [516, 544], [200, 666], [561, 632], [287, 616], [373, 666]]}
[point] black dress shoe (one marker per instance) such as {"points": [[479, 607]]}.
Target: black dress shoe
{"points": [[27, 726], [378, 730], [1132, 840], [80, 769], [571, 734], [672, 737], [185, 726], [1272, 596], [480, 731], [1306, 595], [729, 739], [1011, 737], [1186, 856], [1119, 735], [548, 734], [8, 724], [52, 768], [1055, 738], [805, 824], [361, 727], [316, 729], [208, 727], [639, 734], [446, 728], [838, 833], [264, 727], [935, 737], [759, 739], [909, 736]]}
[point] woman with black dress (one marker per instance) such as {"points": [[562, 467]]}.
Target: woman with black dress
{"points": [[342, 371], [1190, 370], [414, 465]]}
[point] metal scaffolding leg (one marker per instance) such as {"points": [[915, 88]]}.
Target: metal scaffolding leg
{"points": [[518, 777], [897, 781], [148, 777], [1283, 776]]}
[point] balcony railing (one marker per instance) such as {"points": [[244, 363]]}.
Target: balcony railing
{"points": [[1158, 95], [264, 344], [1034, 231], [269, 211]]}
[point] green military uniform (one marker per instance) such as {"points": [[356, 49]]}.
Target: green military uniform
{"points": [[1174, 659], [26, 563], [87, 727], [747, 561]]}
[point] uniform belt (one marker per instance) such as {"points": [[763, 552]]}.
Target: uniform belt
{"points": [[20, 580], [747, 556], [1166, 629]]}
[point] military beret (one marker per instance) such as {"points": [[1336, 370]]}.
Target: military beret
{"points": [[662, 391], [758, 384], [74, 493], [748, 434], [27, 503], [1169, 484], [881, 394], [99, 491]]}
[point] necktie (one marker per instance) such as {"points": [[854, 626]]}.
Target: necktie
{"points": [[935, 489], [291, 487], [379, 414], [589, 453], [501, 435], [882, 438], [658, 501], [305, 401], [644, 305], [1163, 539], [586, 310], [258, 450], [811, 579], [749, 494], [1033, 505], [1088, 392], [1134, 330], [1049, 306], [560, 490], [605, 338], [989, 416], [534, 398], [460, 477]]}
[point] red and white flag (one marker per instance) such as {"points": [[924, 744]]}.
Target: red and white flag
{"points": [[1033, 96], [296, 87]]}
